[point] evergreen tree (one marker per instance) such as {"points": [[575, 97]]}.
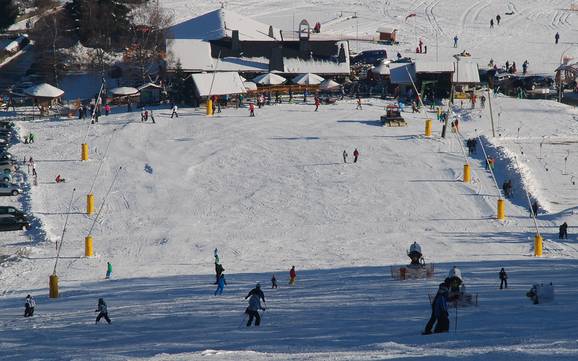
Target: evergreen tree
{"points": [[181, 87], [8, 14]]}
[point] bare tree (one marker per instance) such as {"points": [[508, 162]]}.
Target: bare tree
{"points": [[150, 23]]}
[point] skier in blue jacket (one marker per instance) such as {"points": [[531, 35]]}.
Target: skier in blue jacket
{"points": [[220, 285]]}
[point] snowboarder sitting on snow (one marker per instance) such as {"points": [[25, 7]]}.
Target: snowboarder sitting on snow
{"points": [[503, 278], [256, 291], [220, 285], [415, 254], [59, 179], [253, 310], [439, 311], [533, 294], [29, 306], [563, 234], [102, 311]]}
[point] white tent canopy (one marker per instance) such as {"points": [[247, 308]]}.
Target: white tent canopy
{"points": [[43, 90], [308, 79], [208, 84], [249, 85], [124, 91], [329, 84], [269, 79]]}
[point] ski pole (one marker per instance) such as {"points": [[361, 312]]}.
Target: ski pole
{"points": [[456, 326], [243, 320]]}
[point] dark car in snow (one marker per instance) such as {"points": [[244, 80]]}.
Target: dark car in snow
{"points": [[13, 224], [369, 57]]}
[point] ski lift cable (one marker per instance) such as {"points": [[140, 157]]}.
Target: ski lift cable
{"points": [[101, 161], [63, 231], [487, 162], [104, 200]]}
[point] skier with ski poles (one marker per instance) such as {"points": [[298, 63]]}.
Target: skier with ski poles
{"points": [[253, 310]]}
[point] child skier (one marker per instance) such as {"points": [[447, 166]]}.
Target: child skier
{"points": [[220, 285], [503, 278], [292, 276], [29, 306], [108, 270], [102, 311]]}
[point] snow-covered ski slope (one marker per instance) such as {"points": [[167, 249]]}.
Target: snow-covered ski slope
{"points": [[526, 34], [271, 192]]}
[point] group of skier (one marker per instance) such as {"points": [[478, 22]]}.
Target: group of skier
{"points": [[355, 156]]}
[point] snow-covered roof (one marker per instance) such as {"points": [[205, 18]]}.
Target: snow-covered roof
{"points": [[434, 67], [219, 24], [43, 90], [123, 91], [194, 54], [218, 83], [466, 73], [399, 73], [307, 79], [386, 29]]}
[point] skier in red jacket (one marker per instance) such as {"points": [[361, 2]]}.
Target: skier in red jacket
{"points": [[317, 103], [292, 276], [251, 109]]}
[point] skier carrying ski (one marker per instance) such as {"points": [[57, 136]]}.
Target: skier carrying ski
{"points": [[439, 311], [292, 276], [220, 285], [102, 311], [345, 156], [253, 310], [273, 282], [355, 155], [503, 278], [29, 306], [108, 270], [563, 234]]}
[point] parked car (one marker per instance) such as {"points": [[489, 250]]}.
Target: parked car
{"points": [[369, 57], [6, 177], [13, 224], [11, 212], [10, 189]]}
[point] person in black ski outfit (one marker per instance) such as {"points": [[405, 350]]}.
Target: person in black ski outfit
{"points": [[563, 234], [535, 208], [29, 306], [253, 310], [437, 307], [256, 291], [102, 311], [503, 278], [273, 282]]}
